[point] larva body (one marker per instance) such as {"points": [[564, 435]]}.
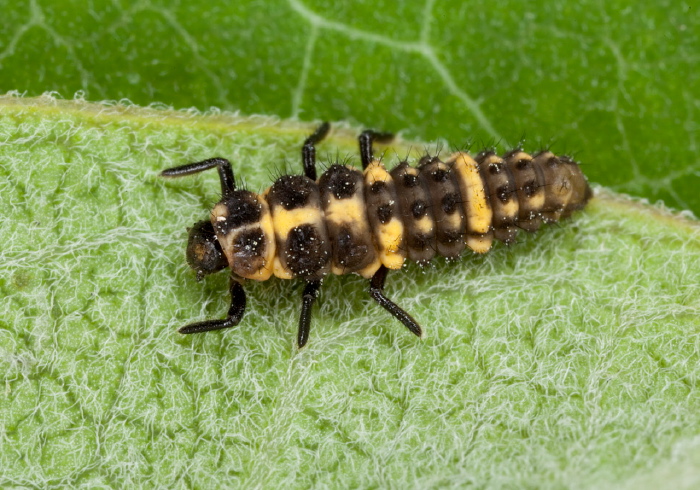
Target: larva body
{"points": [[351, 221], [371, 221]]}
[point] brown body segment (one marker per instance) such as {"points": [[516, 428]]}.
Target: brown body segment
{"points": [[529, 185], [343, 204], [504, 200], [416, 213], [384, 215], [303, 248], [446, 204]]}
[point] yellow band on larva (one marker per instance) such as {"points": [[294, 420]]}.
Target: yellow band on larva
{"points": [[476, 206]]}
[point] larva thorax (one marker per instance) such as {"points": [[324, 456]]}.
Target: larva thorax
{"points": [[356, 221]]}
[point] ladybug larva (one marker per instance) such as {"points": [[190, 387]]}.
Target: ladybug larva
{"points": [[370, 221]]}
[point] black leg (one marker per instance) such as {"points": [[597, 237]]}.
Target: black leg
{"points": [[367, 140], [376, 289], [308, 151], [235, 313], [310, 295], [228, 184]]}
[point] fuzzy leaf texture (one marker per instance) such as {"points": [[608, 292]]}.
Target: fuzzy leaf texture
{"points": [[614, 83], [567, 360]]}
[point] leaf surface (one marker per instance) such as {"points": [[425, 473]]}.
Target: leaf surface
{"points": [[568, 360]]}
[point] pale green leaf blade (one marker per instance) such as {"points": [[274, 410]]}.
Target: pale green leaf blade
{"points": [[568, 360]]}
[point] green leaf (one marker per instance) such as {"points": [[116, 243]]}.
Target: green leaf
{"points": [[613, 83], [568, 360]]}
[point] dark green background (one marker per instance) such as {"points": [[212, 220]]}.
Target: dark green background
{"points": [[614, 83]]}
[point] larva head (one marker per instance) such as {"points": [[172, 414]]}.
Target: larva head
{"points": [[204, 253], [581, 192]]}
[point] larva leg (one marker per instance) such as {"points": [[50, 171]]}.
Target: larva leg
{"points": [[308, 299], [367, 139], [228, 184], [308, 151], [376, 289], [235, 313]]}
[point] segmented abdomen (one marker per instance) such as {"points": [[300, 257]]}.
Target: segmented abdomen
{"points": [[354, 221]]}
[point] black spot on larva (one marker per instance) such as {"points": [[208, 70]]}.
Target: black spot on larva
{"points": [[377, 187], [419, 241], [530, 188], [243, 209], [503, 193], [384, 213], [249, 252], [250, 243], [410, 180], [291, 191], [553, 161], [449, 202], [419, 208], [350, 252], [495, 168], [339, 181], [304, 251], [448, 237], [440, 175], [522, 164]]}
